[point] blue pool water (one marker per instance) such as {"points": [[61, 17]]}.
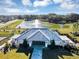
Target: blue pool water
{"points": [[37, 52]]}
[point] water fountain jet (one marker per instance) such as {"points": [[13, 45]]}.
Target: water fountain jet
{"points": [[37, 23]]}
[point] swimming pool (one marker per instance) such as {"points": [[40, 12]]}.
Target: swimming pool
{"points": [[37, 52]]}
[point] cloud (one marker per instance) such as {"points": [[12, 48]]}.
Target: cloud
{"points": [[68, 5], [41, 3], [7, 3], [12, 10], [58, 1], [17, 11], [31, 11], [6, 7], [27, 2], [9, 7], [36, 3]]}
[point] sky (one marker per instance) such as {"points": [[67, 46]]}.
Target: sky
{"points": [[23, 7]]}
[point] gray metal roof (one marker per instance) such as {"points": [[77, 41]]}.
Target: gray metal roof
{"points": [[38, 34]]}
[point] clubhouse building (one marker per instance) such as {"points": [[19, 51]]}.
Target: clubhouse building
{"points": [[41, 36]]}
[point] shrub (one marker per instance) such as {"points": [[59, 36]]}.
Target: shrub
{"points": [[52, 44], [25, 43]]}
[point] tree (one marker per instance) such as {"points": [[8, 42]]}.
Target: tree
{"points": [[6, 48], [25, 43], [52, 44]]}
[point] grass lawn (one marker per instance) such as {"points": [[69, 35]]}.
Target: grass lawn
{"points": [[51, 25], [5, 34], [4, 41], [14, 55], [10, 27], [13, 25], [54, 26], [67, 29]]}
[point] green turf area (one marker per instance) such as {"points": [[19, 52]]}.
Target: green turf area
{"points": [[13, 25], [51, 25], [14, 55], [4, 33], [66, 29], [4, 41], [54, 26], [9, 30]]}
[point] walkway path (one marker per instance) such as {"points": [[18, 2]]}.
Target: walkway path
{"points": [[37, 53]]}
